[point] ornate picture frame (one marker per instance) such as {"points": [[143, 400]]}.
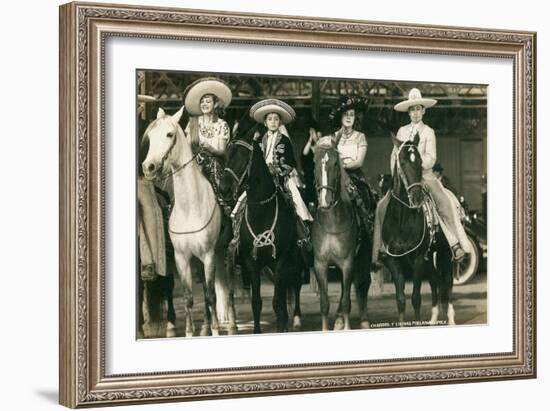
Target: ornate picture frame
{"points": [[84, 30]]}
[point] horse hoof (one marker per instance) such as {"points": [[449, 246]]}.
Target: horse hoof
{"points": [[297, 323], [189, 333], [170, 330], [215, 332], [206, 331], [365, 325], [232, 330], [339, 324]]}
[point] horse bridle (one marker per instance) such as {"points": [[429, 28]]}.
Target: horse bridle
{"points": [[177, 169], [320, 187], [240, 180], [403, 178]]}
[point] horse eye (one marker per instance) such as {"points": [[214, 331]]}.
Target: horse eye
{"points": [[170, 135]]}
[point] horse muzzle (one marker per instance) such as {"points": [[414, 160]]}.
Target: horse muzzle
{"points": [[150, 170]]}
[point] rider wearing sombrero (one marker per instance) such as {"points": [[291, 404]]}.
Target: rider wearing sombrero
{"points": [[279, 155], [205, 101], [450, 224]]}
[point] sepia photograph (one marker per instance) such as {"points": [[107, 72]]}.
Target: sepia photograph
{"points": [[273, 204]]}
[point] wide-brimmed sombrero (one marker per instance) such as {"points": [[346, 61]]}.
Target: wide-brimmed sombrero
{"points": [[415, 98], [271, 105], [206, 85]]}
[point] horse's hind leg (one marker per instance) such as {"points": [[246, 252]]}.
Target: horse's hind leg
{"points": [[184, 270], [362, 285], [210, 292], [434, 285], [279, 297], [446, 288], [321, 275], [294, 298], [225, 285], [206, 328], [171, 315], [141, 320]]}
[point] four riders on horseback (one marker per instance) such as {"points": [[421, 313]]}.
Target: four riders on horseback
{"points": [[209, 136]]}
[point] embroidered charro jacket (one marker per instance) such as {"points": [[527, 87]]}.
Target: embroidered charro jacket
{"points": [[278, 153]]}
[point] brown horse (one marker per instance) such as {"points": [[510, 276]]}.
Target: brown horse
{"points": [[335, 238]]}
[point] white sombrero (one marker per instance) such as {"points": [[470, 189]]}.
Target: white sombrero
{"points": [[415, 98], [271, 105], [207, 85]]}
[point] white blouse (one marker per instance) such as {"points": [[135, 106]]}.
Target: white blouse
{"points": [[348, 147], [213, 134]]}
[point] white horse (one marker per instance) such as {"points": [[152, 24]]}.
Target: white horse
{"points": [[195, 221]]}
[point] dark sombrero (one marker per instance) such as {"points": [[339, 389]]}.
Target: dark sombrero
{"points": [[345, 103]]}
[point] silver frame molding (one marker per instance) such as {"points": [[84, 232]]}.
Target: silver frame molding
{"points": [[84, 27]]}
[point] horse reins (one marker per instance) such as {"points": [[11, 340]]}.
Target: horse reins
{"points": [[173, 172], [199, 229], [246, 172], [408, 187], [178, 168]]}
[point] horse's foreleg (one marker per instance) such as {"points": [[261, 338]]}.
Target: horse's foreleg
{"points": [[399, 281], [416, 298], [321, 270], [345, 298], [210, 292], [279, 297], [254, 275], [184, 270], [297, 316]]}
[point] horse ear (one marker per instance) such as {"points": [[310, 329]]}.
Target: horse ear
{"points": [[160, 113], [416, 139], [176, 116], [394, 140]]}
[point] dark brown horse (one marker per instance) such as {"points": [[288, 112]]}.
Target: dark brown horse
{"points": [[267, 236], [409, 246], [335, 238]]}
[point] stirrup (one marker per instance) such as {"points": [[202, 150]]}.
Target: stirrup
{"points": [[458, 252]]}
